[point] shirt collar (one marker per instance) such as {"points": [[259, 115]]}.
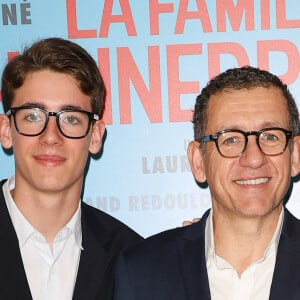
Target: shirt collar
{"points": [[75, 226], [209, 237], [210, 243], [25, 230]]}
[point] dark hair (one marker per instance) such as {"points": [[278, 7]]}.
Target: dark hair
{"points": [[58, 55], [236, 79]]}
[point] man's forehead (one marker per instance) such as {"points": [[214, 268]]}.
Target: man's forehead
{"points": [[253, 107], [240, 99]]}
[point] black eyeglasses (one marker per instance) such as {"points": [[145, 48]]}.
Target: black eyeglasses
{"points": [[32, 121], [233, 142]]}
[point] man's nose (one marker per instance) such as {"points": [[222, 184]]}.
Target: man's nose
{"points": [[51, 134], [252, 156]]}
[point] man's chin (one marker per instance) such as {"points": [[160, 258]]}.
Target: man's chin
{"points": [[257, 211]]}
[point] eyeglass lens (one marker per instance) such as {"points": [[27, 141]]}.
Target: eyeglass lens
{"points": [[271, 142]]}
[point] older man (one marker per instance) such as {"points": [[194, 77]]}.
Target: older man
{"points": [[248, 245]]}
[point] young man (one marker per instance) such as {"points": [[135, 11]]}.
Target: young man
{"points": [[247, 246], [53, 245]]}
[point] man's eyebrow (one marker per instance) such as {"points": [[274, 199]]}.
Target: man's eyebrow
{"points": [[42, 106], [72, 107], [262, 126], [271, 124], [34, 104]]}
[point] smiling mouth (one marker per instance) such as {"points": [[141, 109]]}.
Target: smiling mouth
{"points": [[253, 181]]}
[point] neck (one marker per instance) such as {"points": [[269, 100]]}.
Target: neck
{"points": [[47, 212], [242, 241]]}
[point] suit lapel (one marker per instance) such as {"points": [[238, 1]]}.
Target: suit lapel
{"points": [[13, 281], [94, 260], [286, 278], [191, 249]]}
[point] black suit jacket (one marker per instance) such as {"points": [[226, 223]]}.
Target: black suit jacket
{"points": [[172, 265], [103, 238]]}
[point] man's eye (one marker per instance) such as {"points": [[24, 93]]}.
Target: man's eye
{"points": [[33, 117], [230, 141], [72, 120], [271, 137]]}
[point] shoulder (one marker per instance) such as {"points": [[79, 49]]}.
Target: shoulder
{"points": [[3, 207], [161, 256], [101, 224], [159, 245], [94, 215], [291, 225], [165, 244], [2, 183]]}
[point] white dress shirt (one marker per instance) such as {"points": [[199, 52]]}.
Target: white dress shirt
{"points": [[253, 284], [51, 272]]}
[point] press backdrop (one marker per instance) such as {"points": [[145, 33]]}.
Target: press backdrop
{"points": [[155, 57]]}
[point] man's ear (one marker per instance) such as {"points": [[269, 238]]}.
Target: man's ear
{"points": [[196, 159], [97, 136], [5, 132], [295, 156]]}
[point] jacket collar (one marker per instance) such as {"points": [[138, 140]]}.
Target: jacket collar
{"points": [[191, 250], [93, 259], [286, 277], [13, 279]]}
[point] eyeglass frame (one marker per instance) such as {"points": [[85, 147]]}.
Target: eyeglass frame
{"points": [[215, 136], [92, 117]]}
